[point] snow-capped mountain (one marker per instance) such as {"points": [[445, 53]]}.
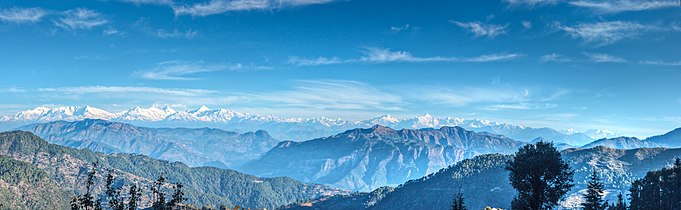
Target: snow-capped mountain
{"points": [[288, 128]]}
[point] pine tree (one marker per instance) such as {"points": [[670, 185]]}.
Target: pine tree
{"points": [[620, 205], [113, 194], [593, 197], [159, 196], [75, 205], [540, 176], [178, 196], [87, 201], [135, 194], [458, 203]]}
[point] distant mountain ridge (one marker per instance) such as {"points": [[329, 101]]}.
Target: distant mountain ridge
{"points": [[484, 181], [670, 139], [297, 129], [68, 168], [364, 159], [192, 146]]}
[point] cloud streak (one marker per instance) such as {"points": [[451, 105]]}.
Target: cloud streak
{"points": [[182, 70], [214, 7], [482, 29], [624, 5], [604, 58], [605, 33], [382, 55], [80, 18], [22, 15]]}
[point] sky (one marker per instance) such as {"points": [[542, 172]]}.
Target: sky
{"points": [[578, 64]]}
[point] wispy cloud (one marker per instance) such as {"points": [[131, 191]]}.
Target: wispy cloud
{"points": [[383, 55], [624, 5], [182, 70], [520, 106], [605, 33], [314, 61], [463, 96], [604, 58], [530, 3], [22, 15], [163, 34], [214, 7], [80, 19], [661, 63], [100, 90], [400, 28], [553, 57], [153, 2], [482, 29]]}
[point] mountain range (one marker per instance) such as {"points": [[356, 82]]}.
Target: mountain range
{"points": [[670, 139], [484, 181], [296, 129], [365, 159], [192, 146], [32, 166]]}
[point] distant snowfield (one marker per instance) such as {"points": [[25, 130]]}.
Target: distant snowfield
{"points": [[287, 128]]}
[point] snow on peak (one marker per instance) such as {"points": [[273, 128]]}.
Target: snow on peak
{"points": [[43, 113], [600, 133], [153, 113]]}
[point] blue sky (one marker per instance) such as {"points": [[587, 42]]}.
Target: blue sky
{"points": [[557, 63]]}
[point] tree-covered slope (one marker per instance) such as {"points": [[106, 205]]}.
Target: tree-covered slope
{"points": [[24, 186], [203, 185]]}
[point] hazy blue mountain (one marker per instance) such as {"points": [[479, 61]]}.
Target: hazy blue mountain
{"points": [[671, 139], [484, 182], [297, 129], [364, 159], [194, 147], [67, 167]]}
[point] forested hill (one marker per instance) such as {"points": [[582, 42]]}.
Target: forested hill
{"points": [[67, 167]]}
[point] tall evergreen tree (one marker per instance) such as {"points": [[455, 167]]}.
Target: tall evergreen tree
{"points": [[178, 196], [159, 202], [135, 194], [620, 205], [113, 194], [458, 203], [593, 199], [87, 201], [540, 176]]}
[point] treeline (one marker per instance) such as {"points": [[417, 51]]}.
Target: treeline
{"points": [[542, 178], [115, 199]]}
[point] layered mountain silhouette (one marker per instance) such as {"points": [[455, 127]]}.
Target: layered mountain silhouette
{"points": [[365, 159], [194, 147], [671, 139]]}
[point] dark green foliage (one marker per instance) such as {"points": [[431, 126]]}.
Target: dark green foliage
{"points": [[540, 176], [659, 189], [593, 198], [134, 194], [87, 201], [458, 203], [113, 194], [24, 186], [158, 194], [178, 196], [620, 205]]}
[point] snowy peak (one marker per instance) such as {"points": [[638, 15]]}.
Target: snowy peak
{"points": [[43, 113], [600, 133], [153, 113]]}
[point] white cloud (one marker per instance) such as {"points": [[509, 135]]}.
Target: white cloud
{"points": [[520, 106], [381, 55], [103, 90], [80, 19], [530, 3], [214, 7], [482, 29], [463, 96], [332, 95], [163, 34], [22, 15], [526, 24], [400, 28], [605, 33], [604, 58], [153, 2], [661, 63], [314, 62], [181, 70], [553, 57], [624, 5]]}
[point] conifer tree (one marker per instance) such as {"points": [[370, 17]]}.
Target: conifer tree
{"points": [[178, 196], [458, 203], [593, 196], [158, 194], [113, 194], [135, 194], [87, 201], [540, 176]]}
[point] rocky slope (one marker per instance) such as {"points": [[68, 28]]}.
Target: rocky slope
{"points": [[364, 159]]}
